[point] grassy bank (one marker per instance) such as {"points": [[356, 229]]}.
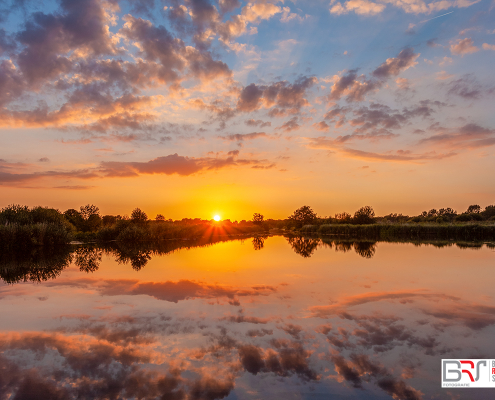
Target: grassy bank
{"points": [[128, 231], [411, 232]]}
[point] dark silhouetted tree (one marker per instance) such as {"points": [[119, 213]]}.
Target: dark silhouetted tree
{"points": [[475, 209], [91, 216], [489, 211], [303, 216], [88, 210], [138, 215], [160, 218], [15, 214], [258, 219], [109, 219], [365, 215], [75, 218], [432, 213], [343, 218]]}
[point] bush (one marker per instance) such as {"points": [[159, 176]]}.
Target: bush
{"points": [[133, 233], [365, 215], [464, 218]]}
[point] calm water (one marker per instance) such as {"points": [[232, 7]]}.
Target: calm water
{"points": [[263, 318]]}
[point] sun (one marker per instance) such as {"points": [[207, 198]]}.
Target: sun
{"points": [[216, 218]]}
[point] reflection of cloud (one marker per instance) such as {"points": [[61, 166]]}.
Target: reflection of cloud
{"points": [[285, 359], [361, 368], [99, 370], [474, 316], [364, 298], [168, 291]]}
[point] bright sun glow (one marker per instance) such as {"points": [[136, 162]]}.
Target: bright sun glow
{"points": [[216, 218]]}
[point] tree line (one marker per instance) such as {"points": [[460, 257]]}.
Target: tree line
{"points": [[21, 226]]}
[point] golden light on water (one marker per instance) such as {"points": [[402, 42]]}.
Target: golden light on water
{"points": [[216, 218]]}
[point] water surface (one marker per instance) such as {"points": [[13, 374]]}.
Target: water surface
{"points": [[258, 318]]}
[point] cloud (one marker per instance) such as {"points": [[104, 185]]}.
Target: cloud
{"points": [[172, 164], [167, 165], [49, 38], [394, 156], [284, 95], [353, 87], [287, 16], [469, 88], [158, 44], [367, 8], [393, 66], [258, 123], [228, 5], [290, 125], [240, 137], [377, 120], [361, 7], [10, 178], [469, 136], [463, 47], [487, 46]]}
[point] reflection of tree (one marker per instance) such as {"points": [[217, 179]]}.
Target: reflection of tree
{"points": [[258, 242], [304, 246], [365, 249], [138, 256], [88, 259], [35, 266], [343, 246]]}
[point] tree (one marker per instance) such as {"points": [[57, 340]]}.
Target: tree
{"points": [[93, 223], [475, 209], [489, 211], [109, 219], [258, 219], [88, 210], [432, 213], [365, 215], [160, 218], [343, 217], [138, 215], [75, 218], [15, 213], [303, 216]]}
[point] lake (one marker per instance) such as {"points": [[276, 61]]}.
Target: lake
{"points": [[252, 318]]}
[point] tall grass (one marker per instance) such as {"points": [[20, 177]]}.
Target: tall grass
{"points": [[127, 231], [15, 237], [468, 232]]}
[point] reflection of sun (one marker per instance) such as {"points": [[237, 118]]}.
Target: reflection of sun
{"points": [[216, 218]]}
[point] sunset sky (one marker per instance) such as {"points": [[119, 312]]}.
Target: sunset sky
{"points": [[203, 107]]}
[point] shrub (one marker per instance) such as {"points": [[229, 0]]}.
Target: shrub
{"points": [[365, 215]]}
